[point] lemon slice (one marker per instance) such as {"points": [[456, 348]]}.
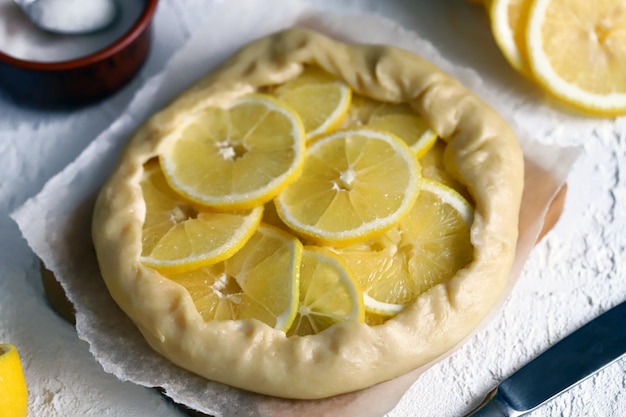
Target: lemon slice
{"points": [[13, 390], [577, 51], [258, 282], [329, 293], [355, 183], [428, 247], [433, 168], [401, 120], [397, 118], [238, 157], [319, 98], [360, 110], [179, 236], [508, 25]]}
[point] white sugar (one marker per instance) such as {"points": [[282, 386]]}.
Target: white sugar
{"points": [[74, 15], [21, 39]]}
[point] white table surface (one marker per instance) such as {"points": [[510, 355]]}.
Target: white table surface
{"points": [[576, 273]]}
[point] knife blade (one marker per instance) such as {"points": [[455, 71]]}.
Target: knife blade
{"points": [[576, 357]]}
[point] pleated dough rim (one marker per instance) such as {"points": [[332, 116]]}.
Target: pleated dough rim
{"points": [[482, 153]]}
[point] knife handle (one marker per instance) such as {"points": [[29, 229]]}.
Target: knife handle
{"points": [[494, 406]]}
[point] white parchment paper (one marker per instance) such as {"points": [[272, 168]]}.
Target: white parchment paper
{"points": [[56, 222]]}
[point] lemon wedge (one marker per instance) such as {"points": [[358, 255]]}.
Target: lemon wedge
{"points": [[13, 389]]}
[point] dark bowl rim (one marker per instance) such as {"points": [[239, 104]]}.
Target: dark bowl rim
{"points": [[139, 27]]}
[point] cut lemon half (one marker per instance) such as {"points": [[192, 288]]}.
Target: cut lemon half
{"points": [[355, 183], [13, 389], [427, 248], [179, 236], [577, 51], [508, 25], [237, 157], [329, 293], [261, 281], [319, 98]]}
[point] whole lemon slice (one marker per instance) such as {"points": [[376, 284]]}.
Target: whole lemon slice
{"points": [[319, 98], [577, 51], [238, 157], [13, 390], [258, 282], [508, 25], [329, 293], [428, 247], [178, 236], [355, 183]]}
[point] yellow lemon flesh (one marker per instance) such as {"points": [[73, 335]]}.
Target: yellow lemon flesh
{"points": [[320, 99], [13, 390], [577, 52], [355, 183], [329, 293], [259, 282], [179, 236], [238, 157], [399, 119], [434, 169], [427, 248]]}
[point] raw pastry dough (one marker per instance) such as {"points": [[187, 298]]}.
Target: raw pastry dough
{"points": [[482, 153]]}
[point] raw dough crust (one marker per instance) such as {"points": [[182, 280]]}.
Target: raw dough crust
{"points": [[482, 153]]}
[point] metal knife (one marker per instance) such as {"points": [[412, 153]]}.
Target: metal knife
{"points": [[576, 357]]}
